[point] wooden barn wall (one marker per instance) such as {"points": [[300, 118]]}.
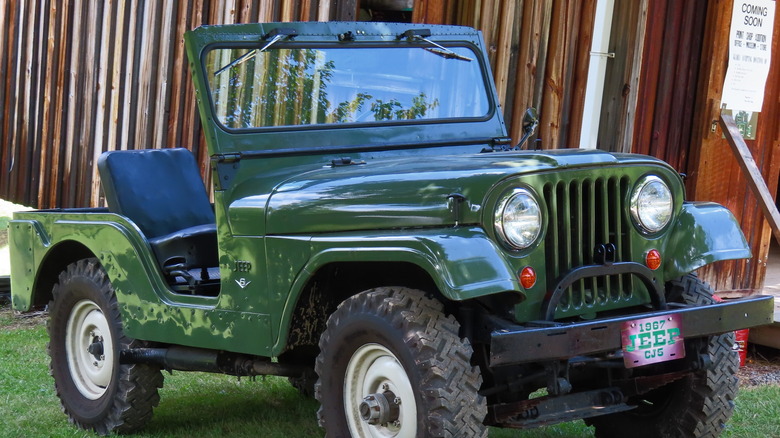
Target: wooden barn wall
{"points": [[539, 53], [79, 77], [669, 77], [713, 172]]}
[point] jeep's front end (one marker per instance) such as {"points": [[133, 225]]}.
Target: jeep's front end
{"points": [[567, 270]]}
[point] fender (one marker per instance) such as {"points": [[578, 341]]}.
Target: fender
{"points": [[705, 232], [118, 245], [463, 262]]}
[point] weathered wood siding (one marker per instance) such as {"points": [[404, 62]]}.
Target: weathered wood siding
{"points": [[79, 77], [713, 172], [539, 52]]}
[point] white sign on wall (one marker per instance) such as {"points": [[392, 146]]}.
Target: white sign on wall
{"points": [[750, 49]]}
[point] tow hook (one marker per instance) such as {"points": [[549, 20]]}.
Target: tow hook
{"points": [[380, 408]]}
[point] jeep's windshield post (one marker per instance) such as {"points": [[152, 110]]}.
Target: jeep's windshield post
{"points": [[298, 85]]}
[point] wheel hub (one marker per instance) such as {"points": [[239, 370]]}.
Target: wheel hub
{"points": [[96, 348], [379, 399], [380, 408]]}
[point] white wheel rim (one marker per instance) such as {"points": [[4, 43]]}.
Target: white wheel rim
{"points": [[374, 369], [86, 325]]}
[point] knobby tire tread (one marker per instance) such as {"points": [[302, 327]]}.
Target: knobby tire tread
{"points": [[136, 394], [449, 383]]}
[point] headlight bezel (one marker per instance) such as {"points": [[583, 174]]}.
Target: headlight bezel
{"points": [[638, 217], [498, 219]]}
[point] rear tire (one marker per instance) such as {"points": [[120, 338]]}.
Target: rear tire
{"points": [[396, 344], [696, 406], [85, 338]]}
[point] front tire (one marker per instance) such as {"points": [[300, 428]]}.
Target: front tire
{"points": [[696, 406], [392, 364], [85, 338]]}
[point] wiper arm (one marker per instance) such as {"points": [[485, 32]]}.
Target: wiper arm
{"points": [[441, 50], [275, 34]]}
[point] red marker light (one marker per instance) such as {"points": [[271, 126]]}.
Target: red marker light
{"points": [[528, 277], [653, 259]]}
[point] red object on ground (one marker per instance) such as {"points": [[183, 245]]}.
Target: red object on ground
{"points": [[741, 337]]}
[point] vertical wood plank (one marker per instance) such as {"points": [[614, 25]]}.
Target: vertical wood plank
{"points": [[504, 53]]}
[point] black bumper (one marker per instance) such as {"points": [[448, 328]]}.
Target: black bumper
{"points": [[523, 344]]}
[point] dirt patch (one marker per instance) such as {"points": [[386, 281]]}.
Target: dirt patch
{"points": [[761, 368], [13, 320]]}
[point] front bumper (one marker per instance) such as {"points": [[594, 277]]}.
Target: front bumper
{"points": [[523, 344]]}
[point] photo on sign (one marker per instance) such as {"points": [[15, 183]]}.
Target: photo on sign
{"points": [[747, 122]]}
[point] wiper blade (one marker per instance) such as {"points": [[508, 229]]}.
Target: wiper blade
{"points": [[275, 34], [441, 50]]}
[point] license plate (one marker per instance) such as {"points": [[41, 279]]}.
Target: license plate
{"points": [[652, 340]]}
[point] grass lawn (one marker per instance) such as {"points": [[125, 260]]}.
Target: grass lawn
{"points": [[203, 405]]}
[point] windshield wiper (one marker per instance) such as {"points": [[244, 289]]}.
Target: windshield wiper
{"points": [[449, 54], [275, 35], [420, 34]]}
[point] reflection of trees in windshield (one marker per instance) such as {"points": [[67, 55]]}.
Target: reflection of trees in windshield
{"points": [[393, 110], [308, 86]]}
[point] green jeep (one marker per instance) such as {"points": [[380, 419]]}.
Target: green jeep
{"points": [[376, 237]]}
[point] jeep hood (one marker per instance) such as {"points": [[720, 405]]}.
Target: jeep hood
{"points": [[411, 192]]}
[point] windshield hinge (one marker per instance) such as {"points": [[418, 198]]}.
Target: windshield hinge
{"points": [[345, 161], [227, 158], [223, 169], [498, 141]]}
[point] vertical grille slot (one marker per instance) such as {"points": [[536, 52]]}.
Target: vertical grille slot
{"points": [[582, 214]]}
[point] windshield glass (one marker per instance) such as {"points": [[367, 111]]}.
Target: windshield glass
{"points": [[314, 86]]}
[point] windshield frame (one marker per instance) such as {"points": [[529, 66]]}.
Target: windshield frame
{"points": [[482, 67]]}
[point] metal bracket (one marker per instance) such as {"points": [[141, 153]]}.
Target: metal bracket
{"points": [[605, 54]]}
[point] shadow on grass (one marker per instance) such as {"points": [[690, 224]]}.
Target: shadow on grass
{"points": [[211, 406]]}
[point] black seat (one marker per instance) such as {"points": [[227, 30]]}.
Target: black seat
{"points": [[162, 192]]}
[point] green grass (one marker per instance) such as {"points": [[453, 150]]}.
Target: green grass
{"points": [[204, 405]]}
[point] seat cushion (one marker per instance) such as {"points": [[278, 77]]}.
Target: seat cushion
{"points": [[194, 247]]}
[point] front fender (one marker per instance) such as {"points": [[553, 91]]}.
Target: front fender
{"points": [[464, 263], [704, 233]]}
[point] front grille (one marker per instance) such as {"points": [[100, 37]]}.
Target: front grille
{"points": [[582, 214]]}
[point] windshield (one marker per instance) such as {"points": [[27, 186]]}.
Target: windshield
{"points": [[314, 86]]}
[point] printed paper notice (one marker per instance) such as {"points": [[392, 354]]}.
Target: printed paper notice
{"points": [[750, 48]]}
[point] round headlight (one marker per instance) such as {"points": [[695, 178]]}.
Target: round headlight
{"points": [[518, 219], [651, 204]]}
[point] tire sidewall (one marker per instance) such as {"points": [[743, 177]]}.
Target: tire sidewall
{"points": [[362, 329], [68, 294]]}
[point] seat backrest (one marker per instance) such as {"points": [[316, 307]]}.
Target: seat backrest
{"points": [[159, 189]]}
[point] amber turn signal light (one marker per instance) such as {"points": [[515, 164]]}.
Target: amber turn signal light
{"points": [[528, 277], [653, 259]]}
